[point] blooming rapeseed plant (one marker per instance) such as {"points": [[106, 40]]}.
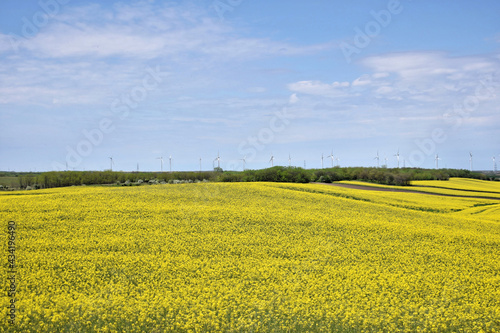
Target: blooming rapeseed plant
{"points": [[253, 257]]}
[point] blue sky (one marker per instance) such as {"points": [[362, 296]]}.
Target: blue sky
{"points": [[82, 81]]}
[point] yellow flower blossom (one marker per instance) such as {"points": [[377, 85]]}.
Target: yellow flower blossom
{"points": [[262, 257]]}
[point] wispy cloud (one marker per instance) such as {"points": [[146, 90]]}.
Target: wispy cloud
{"points": [[88, 54], [403, 94], [148, 31], [418, 76], [334, 89]]}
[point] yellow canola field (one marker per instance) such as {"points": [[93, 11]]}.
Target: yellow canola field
{"points": [[454, 187], [463, 203], [258, 257], [462, 184]]}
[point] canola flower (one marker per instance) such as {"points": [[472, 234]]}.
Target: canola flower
{"points": [[256, 257], [470, 197], [459, 187], [462, 184]]}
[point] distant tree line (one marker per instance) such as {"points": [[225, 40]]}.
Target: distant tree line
{"points": [[400, 177], [73, 178]]}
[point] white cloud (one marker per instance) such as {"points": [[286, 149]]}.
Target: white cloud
{"points": [[384, 90], [293, 99], [408, 65], [407, 94], [380, 75], [361, 81], [428, 65], [203, 120], [127, 32], [429, 77], [90, 54], [318, 88]]}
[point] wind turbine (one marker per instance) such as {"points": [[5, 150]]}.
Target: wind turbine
{"points": [[397, 156], [170, 162], [337, 159], [111, 163], [378, 160], [161, 161], [200, 164], [437, 161], [331, 156], [289, 160], [470, 160], [218, 160], [272, 160], [385, 159], [494, 164], [321, 160]]}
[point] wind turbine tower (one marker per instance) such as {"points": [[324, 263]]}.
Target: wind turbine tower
{"points": [[331, 156], [397, 156], [218, 160], [470, 160], [111, 163], [494, 165], [272, 160], [161, 161], [289, 160], [170, 162], [321, 160], [378, 160], [437, 161]]}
